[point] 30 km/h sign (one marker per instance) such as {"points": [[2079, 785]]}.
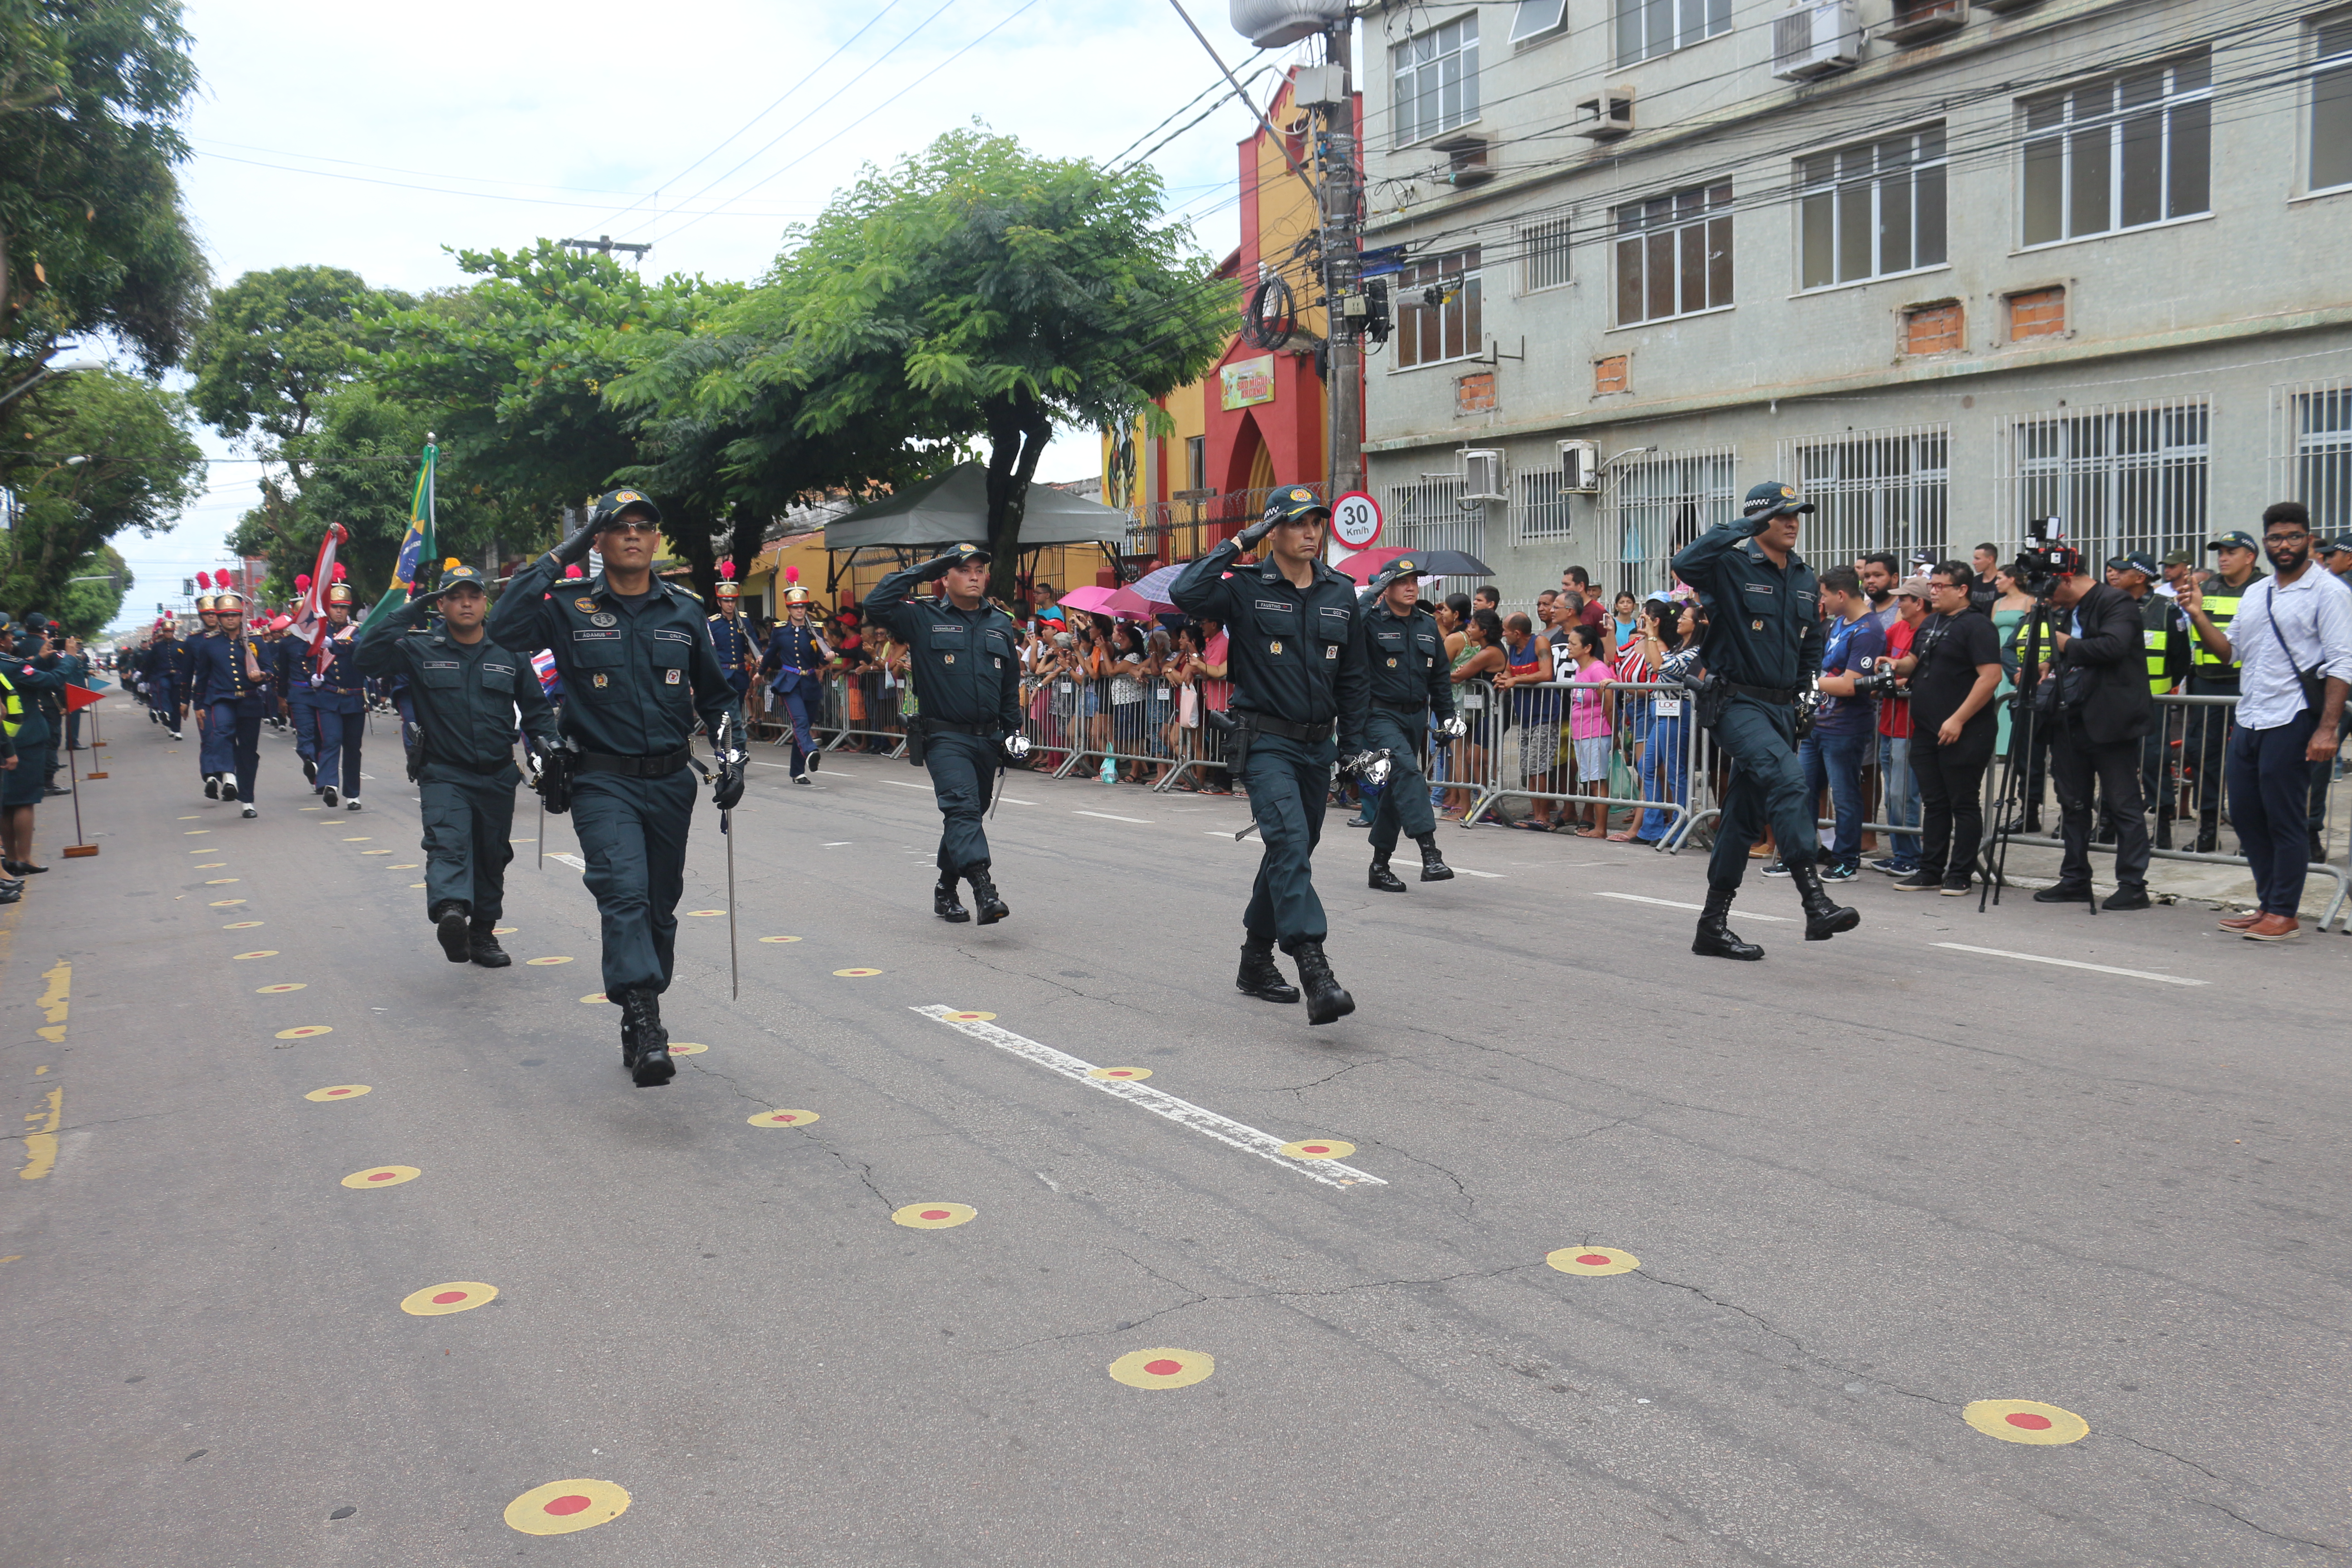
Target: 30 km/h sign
{"points": [[1356, 519]]}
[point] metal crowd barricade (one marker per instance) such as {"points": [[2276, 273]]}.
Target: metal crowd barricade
{"points": [[865, 704], [1649, 758]]}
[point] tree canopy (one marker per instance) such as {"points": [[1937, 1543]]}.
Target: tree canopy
{"points": [[274, 344], [102, 452]]}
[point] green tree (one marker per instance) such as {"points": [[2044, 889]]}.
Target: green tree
{"points": [[275, 344], [88, 607], [103, 452]]}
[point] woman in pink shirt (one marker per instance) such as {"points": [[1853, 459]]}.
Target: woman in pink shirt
{"points": [[1591, 716]]}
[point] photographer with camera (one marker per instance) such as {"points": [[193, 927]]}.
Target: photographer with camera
{"points": [[2091, 694], [1954, 669]]}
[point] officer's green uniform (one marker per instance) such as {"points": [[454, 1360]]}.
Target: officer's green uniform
{"points": [[637, 674], [1411, 677], [967, 672], [467, 696]]}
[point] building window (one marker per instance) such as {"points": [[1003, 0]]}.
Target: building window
{"points": [[2131, 477], [2311, 451], [1938, 328], [1871, 210], [2331, 104], [1437, 316], [1674, 254], [1436, 81], [1652, 505], [1430, 516], [1543, 508], [1612, 375], [2121, 153], [1196, 462], [1533, 19], [2037, 313], [1543, 255], [1875, 489], [1646, 28]]}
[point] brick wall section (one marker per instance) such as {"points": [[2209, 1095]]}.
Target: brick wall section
{"points": [[1938, 328], [2039, 313], [1611, 375], [1475, 394]]}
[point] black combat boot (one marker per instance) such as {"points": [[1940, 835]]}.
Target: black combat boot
{"points": [[1260, 978], [1433, 867], [1325, 1000], [993, 907], [310, 772], [1383, 880], [450, 919], [943, 901], [1716, 938], [641, 1029], [482, 943], [1824, 916]]}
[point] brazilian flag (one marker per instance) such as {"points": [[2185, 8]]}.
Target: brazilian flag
{"points": [[416, 551]]}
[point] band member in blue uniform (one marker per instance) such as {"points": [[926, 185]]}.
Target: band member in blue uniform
{"points": [[796, 662], [233, 690], [730, 634], [160, 670], [339, 701]]}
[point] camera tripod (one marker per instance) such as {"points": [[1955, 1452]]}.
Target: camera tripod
{"points": [[2008, 800]]}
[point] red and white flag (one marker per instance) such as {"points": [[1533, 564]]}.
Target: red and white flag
{"points": [[313, 619]]}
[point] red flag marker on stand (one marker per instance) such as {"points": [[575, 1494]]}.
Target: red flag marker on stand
{"points": [[77, 698]]}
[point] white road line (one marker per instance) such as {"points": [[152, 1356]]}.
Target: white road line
{"points": [[839, 844], [902, 784], [1010, 801], [573, 861], [1671, 904], [2074, 963], [1183, 1112], [1490, 876], [1108, 816]]}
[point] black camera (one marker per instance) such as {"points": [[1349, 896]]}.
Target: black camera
{"points": [[2045, 558]]}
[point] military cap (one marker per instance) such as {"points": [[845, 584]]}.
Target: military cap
{"points": [[612, 504], [2134, 561], [964, 554], [2181, 558], [1772, 498], [1402, 566], [462, 577], [1292, 503], [2237, 539]]}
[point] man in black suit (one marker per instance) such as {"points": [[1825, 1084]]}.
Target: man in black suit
{"points": [[2097, 685]]}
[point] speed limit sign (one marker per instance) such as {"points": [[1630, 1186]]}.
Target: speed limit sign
{"points": [[1356, 519]]}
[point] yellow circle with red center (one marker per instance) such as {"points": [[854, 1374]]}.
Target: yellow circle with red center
{"points": [[501, 931], [380, 1177], [440, 1301], [280, 989], [1162, 1368], [559, 1508], [407, 866], [593, 996], [258, 952], [226, 903], [856, 974], [376, 851], [935, 1216], [338, 1092], [243, 925], [2025, 1421], [306, 1032], [543, 963], [967, 1017], [778, 939], [1118, 1075], [1319, 1148], [783, 1118], [683, 1047], [1592, 1261], [706, 912], [218, 881]]}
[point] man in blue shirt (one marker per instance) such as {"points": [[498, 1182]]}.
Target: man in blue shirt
{"points": [[1845, 726]]}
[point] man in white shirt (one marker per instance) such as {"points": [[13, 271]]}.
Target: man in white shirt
{"points": [[2289, 628]]}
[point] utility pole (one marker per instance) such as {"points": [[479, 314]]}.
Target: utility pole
{"points": [[607, 244], [1344, 304]]}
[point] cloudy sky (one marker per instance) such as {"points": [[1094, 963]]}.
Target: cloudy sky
{"points": [[372, 138]]}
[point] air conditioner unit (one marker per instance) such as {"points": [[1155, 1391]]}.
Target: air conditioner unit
{"points": [[1817, 39], [1580, 468], [2004, 6], [1482, 475], [1466, 162], [1606, 117], [1915, 21]]}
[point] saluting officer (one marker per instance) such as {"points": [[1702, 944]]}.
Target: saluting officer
{"points": [[1299, 665], [794, 661], [467, 692], [637, 668], [232, 689], [339, 701], [1411, 678], [1764, 646], [963, 655]]}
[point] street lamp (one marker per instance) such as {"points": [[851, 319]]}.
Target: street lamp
{"points": [[66, 367]]}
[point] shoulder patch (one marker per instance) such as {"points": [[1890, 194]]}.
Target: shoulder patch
{"points": [[583, 603]]}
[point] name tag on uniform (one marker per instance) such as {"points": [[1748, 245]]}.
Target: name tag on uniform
{"points": [[1763, 588], [443, 663], [1271, 604], [579, 634], [1335, 612], [495, 669], [673, 636]]}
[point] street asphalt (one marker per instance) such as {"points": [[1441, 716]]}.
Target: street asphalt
{"points": [[1801, 1216]]}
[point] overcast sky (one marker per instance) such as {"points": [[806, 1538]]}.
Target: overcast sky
{"points": [[372, 138]]}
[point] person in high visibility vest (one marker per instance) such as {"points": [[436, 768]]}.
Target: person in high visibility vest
{"points": [[29, 661], [2215, 674], [2169, 648]]}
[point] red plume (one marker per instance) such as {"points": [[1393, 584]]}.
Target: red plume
{"points": [[569, 571], [727, 569], [339, 570], [792, 575], [204, 579], [302, 584]]}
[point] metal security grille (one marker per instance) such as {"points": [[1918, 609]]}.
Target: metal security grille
{"points": [[1544, 254], [1877, 490], [2130, 477], [1542, 510], [1652, 505], [1428, 516], [2310, 449]]}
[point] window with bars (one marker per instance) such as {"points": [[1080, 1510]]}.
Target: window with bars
{"points": [[1542, 512], [1428, 516], [2311, 451], [2131, 477], [1438, 315], [1674, 254], [1436, 81], [1874, 489], [2120, 152], [1872, 210], [1652, 505], [1647, 29], [1543, 255], [2331, 103]]}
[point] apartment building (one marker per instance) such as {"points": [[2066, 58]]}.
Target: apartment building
{"points": [[1946, 265]]}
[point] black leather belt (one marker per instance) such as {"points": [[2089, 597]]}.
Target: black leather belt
{"points": [[1778, 697], [941, 726], [1267, 724], [1408, 709], [491, 771], [659, 767]]}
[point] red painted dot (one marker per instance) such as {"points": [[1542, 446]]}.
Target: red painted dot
{"points": [[1122, 1073], [2029, 1421], [379, 1175], [567, 1505], [935, 1214], [1318, 1148], [332, 1092], [1163, 1368], [1595, 1259], [446, 1297]]}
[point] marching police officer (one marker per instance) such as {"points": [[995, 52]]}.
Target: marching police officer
{"points": [[964, 655], [796, 654], [1763, 650], [637, 668], [1299, 665], [232, 691], [1411, 677], [339, 701], [466, 690]]}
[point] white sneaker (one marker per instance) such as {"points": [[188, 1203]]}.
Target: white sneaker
{"points": [[248, 811], [352, 803]]}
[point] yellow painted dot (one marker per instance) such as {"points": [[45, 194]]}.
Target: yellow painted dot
{"points": [[686, 1048], [523, 840], [1162, 1368], [306, 1032], [598, 996], [440, 1301], [280, 990], [226, 903], [337, 1091], [777, 938], [968, 1017], [376, 851], [500, 930], [13, 1258], [219, 881], [784, 1119], [416, 884], [242, 925], [2025, 1421], [313, 808], [1592, 1261], [207, 849], [210, 866], [543, 963], [259, 952], [193, 832], [856, 974], [1318, 1149], [411, 866], [1121, 1075], [362, 838], [706, 911], [190, 819], [380, 1177], [559, 1508], [935, 1216]]}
